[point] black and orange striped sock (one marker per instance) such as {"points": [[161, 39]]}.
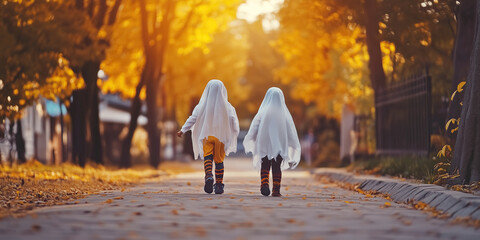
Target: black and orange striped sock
{"points": [[265, 171], [207, 165], [219, 172], [276, 174]]}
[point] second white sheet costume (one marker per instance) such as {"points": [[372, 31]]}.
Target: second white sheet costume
{"points": [[273, 132]]}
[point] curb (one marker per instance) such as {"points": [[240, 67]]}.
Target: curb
{"points": [[453, 203]]}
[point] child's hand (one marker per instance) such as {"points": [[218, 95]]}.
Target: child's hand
{"points": [[179, 133]]}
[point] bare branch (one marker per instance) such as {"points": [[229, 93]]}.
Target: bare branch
{"points": [[144, 22], [90, 8], [101, 12], [113, 13]]}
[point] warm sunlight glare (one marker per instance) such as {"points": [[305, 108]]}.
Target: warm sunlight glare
{"points": [[252, 9]]}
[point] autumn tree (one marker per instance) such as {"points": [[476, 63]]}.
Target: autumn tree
{"points": [[35, 37], [324, 58], [461, 62], [101, 14], [183, 25], [466, 156]]}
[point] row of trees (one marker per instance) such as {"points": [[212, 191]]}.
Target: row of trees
{"points": [[358, 47], [365, 45], [55, 49]]}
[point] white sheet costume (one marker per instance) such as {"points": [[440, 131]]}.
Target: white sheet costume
{"points": [[273, 132], [213, 116]]}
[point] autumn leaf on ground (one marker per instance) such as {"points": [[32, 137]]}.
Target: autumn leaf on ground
{"points": [[195, 214], [174, 212], [108, 201], [387, 204], [189, 183], [36, 227], [407, 222], [349, 202], [118, 198], [200, 231]]}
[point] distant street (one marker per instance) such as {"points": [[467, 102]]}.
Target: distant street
{"points": [[179, 209]]}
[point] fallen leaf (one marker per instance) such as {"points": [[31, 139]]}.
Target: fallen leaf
{"points": [[200, 231], [174, 212], [109, 201], [36, 227], [118, 198], [407, 222]]}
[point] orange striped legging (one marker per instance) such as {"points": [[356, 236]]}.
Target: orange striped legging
{"points": [[214, 150]]}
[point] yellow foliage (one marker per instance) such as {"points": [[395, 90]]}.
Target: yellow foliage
{"points": [[443, 152], [125, 58], [452, 121], [460, 86], [324, 61]]}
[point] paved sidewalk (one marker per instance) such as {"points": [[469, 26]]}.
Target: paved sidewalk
{"points": [[453, 203], [179, 209]]}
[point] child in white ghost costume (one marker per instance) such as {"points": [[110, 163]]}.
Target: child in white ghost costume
{"points": [[273, 140], [214, 126]]}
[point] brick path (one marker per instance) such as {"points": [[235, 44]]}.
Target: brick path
{"points": [[179, 209]]}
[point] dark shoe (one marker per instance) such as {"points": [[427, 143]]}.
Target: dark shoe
{"points": [[265, 190], [276, 194], [276, 191], [219, 188], [208, 185]]}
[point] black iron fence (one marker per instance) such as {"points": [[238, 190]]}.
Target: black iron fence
{"points": [[403, 114]]}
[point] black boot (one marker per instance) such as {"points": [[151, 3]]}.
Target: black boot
{"points": [[219, 188]]}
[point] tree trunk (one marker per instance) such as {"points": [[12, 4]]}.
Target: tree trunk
{"points": [[79, 126], [377, 74], [461, 59], [89, 74], [375, 66], [466, 156], [62, 144], [20, 143], [11, 141], [152, 128], [135, 111]]}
